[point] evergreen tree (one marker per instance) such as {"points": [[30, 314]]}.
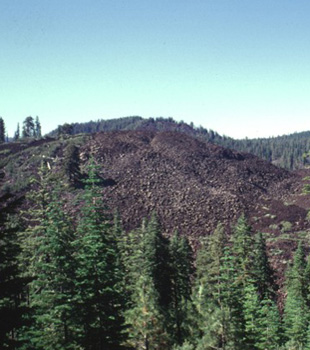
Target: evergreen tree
{"points": [[181, 260], [243, 249], [71, 165], [262, 271], [231, 304], [47, 259], [97, 296], [52, 290], [296, 318], [262, 320], [216, 297], [66, 129], [251, 307], [12, 284], [145, 320], [269, 335], [160, 266], [145, 317], [37, 128], [306, 283], [207, 293], [28, 127], [17, 133], [2, 131]]}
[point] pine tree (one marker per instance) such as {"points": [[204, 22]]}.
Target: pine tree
{"points": [[206, 294], [296, 318], [145, 317], [269, 335], [2, 130], [161, 268], [306, 283], [37, 128], [262, 271], [71, 165], [145, 320], [28, 127], [243, 248], [181, 260], [231, 297], [216, 296], [17, 133], [47, 259], [251, 307], [52, 290], [12, 284], [97, 296]]}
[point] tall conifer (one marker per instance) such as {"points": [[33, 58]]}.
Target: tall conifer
{"points": [[145, 317], [48, 260], [296, 318], [97, 297], [181, 260], [2, 130], [12, 284]]}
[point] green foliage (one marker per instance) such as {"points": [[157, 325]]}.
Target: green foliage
{"points": [[296, 318], [47, 258], [97, 294], [216, 297], [71, 165], [181, 266], [28, 127], [2, 130], [243, 248], [262, 272], [286, 226], [306, 189], [146, 316], [37, 128], [12, 284], [92, 286], [17, 133]]}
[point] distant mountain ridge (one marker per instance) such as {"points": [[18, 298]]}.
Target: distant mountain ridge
{"points": [[287, 151]]}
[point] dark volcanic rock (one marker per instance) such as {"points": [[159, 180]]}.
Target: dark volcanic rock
{"points": [[191, 184]]}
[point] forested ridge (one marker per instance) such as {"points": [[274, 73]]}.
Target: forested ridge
{"points": [[74, 279]]}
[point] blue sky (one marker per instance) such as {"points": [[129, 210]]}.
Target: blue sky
{"points": [[241, 68]]}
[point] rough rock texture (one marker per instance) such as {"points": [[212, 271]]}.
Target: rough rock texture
{"points": [[191, 184]]}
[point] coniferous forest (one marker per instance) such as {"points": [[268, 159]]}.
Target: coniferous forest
{"points": [[71, 277], [76, 280]]}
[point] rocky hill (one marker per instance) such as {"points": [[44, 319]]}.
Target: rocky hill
{"points": [[191, 184], [287, 151]]}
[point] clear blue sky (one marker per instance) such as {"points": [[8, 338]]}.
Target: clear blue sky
{"points": [[241, 68]]}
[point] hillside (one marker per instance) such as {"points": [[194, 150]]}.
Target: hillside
{"points": [[191, 184], [287, 151]]}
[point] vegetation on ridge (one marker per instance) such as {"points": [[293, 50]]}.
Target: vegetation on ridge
{"points": [[76, 280]]}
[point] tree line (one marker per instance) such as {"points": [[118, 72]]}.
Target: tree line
{"points": [[288, 151], [31, 128], [71, 278]]}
